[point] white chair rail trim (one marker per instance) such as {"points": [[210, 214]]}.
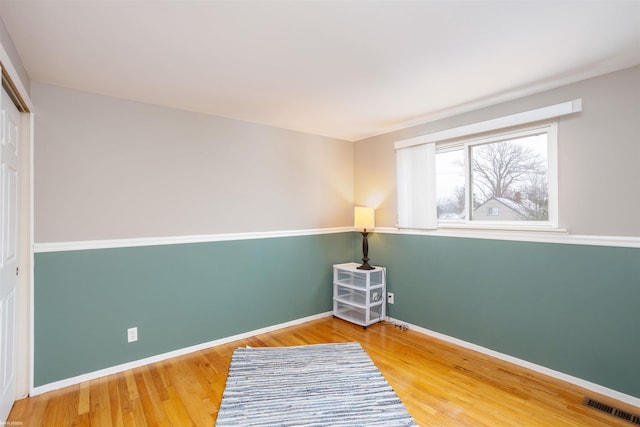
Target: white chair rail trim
{"points": [[520, 235], [177, 240]]}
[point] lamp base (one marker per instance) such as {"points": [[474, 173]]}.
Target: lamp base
{"points": [[365, 266], [365, 253]]}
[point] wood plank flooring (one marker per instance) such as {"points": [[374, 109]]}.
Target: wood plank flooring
{"points": [[441, 385]]}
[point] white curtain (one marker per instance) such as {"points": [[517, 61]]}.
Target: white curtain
{"points": [[416, 169]]}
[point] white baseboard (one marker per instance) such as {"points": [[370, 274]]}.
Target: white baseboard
{"points": [[160, 357], [597, 388], [631, 400]]}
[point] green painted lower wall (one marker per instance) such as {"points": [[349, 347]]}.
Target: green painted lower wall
{"points": [[177, 295], [570, 308]]}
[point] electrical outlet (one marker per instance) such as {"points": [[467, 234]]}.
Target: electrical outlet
{"points": [[390, 298], [132, 334]]}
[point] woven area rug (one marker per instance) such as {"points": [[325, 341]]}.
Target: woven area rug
{"points": [[314, 385]]}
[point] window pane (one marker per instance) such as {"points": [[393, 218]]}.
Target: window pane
{"points": [[509, 180], [450, 185]]}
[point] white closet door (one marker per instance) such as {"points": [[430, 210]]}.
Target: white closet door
{"points": [[9, 172]]}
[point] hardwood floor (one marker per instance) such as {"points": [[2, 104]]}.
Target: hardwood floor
{"points": [[441, 385]]}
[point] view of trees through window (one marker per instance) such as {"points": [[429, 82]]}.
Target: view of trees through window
{"points": [[508, 180]]}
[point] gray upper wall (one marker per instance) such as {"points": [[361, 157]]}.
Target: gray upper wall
{"points": [[598, 155], [106, 168]]}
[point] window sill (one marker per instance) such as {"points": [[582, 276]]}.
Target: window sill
{"points": [[520, 234], [503, 227]]}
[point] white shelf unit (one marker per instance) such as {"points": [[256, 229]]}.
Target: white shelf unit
{"points": [[359, 295]]}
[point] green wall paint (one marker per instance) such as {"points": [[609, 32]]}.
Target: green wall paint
{"points": [[571, 308], [177, 295]]}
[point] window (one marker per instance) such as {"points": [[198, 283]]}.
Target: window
{"points": [[450, 184], [507, 176], [504, 179], [512, 172], [493, 211], [499, 180]]}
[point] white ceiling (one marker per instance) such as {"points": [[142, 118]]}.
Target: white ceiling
{"points": [[345, 69]]}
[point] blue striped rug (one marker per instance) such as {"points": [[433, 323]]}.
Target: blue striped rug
{"points": [[313, 385]]}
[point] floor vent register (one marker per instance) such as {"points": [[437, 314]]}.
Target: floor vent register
{"points": [[616, 412]]}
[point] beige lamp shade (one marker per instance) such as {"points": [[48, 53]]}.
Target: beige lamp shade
{"points": [[364, 218]]}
